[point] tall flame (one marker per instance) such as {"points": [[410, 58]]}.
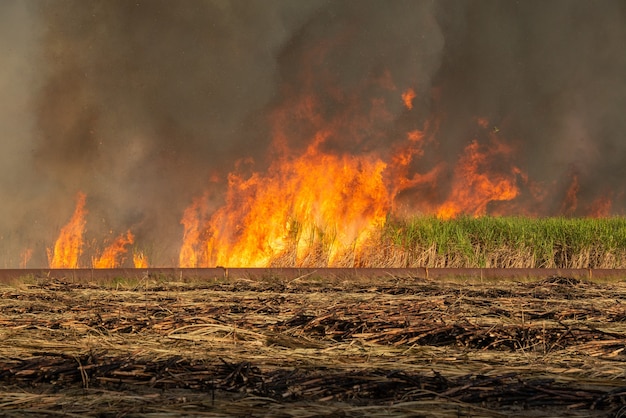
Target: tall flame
{"points": [[190, 252], [312, 208], [315, 199], [312, 205], [69, 244]]}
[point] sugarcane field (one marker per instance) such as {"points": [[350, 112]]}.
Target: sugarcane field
{"points": [[314, 208]]}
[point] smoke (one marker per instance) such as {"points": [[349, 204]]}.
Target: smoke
{"points": [[20, 187], [145, 100], [141, 105], [550, 75], [353, 55]]}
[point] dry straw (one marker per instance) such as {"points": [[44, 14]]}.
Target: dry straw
{"points": [[313, 346]]}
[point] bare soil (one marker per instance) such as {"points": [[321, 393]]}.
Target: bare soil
{"points": [[312, 346]]}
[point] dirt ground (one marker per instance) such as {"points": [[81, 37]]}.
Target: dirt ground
{"points": [[311, 347]]}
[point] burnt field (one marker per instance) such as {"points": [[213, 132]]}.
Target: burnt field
{"points": [[312, 346]]}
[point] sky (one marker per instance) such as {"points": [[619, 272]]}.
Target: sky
{"points": [[146, 105]]}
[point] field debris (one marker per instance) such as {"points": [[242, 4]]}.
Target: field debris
{"points": [[275, 347]]}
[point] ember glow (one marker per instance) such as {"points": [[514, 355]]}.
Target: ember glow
{"points": [[289, 133]]}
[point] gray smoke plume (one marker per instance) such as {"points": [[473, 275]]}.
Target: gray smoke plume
{"points": [[144, 101], [142, 105], [551, 75], [20, 78]]}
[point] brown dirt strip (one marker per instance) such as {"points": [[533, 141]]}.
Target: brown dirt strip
{"points": [[82, 274]]}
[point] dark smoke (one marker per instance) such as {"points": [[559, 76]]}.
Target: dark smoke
{"points": [[552, 74], [140, 104], [144, 101]]}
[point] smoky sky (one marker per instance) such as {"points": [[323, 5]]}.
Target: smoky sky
{"points": [[552, 73], [143, 104]]}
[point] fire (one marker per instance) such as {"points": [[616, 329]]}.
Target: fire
{"points": [[399, 172], [316, 199], [407, 98], [140, 261], [475, 182], [190, 251], [69, 244], [311, 208], [317, 204], [111, 254], [313, 204]]}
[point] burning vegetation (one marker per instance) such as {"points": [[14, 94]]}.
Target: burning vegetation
{"points": [[346, 133], [322, 206], [299, 135]]}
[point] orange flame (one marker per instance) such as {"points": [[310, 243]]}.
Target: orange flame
{"points": [[69, 244], [335, 200], [190, 252], [398, 173], [312, 205], [475, 182], [317, 197], [140, 261], [407, 98], [332, 180], [111, 254]]}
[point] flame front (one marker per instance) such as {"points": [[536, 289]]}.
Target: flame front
{"points": [[315, 201], [69, 244], [317, 205], [313, 205]]}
